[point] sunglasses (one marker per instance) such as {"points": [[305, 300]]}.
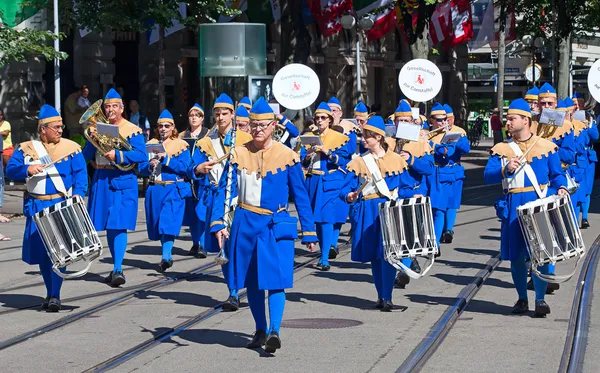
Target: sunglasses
{"points": [[440, 119], [319, 117], [164, 125]]}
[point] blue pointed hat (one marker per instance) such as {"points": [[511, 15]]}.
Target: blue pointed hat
{"points": [[547, 91], [242, 113], [425, 123], [520, 107], [112, 97], [261, 110], [334, 102], [561, 105], [532, 94], [448, 111], [375, 124], [360, 110], [245, 102], [324, 108], [165, 117], [198, 108], [48, 114], [570, 103], [403, 110], [438, 109], [578, 96], [223, 101]]}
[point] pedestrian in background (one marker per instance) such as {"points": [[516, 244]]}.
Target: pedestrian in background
{"points": [[83, 101], [3, 219], [7, 145], [497, 127], [139, 119]]}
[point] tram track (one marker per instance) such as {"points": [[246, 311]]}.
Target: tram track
{"points": [[131, 353]]}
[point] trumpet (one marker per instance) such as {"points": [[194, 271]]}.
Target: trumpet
{"points": [[104, 143]]}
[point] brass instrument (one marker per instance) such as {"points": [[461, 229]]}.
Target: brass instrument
{"points": [[432, 134], [546, 131], [278, 132], [102, 142], [154, 169]]}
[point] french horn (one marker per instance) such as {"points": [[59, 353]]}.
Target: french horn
{"points": [[103, 142]]}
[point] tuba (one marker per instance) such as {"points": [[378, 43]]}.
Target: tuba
{"points": [[102, 142], [546, 130]]}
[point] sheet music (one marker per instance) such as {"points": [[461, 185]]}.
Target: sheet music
{"points": [[580, 115], [311, 140], [450, 137], [408, 131], [107, 129], [552, 117]]}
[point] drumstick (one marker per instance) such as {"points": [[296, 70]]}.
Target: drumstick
{"points": [[523, 157], [363, 186], [222, 158], [53, 162]]}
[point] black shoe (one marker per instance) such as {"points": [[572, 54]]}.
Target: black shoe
{"points": [[530, 284], [379, 303], [324, 267], [259, 339], [585, 224], [108, 279], [414, 265], [402, 280], [388, 306], [447, 237], [552, 287], [164, 265], [198, 252], [232, 304], [522, 306], [54, 305], [118, 279], [45, 303], [541, 308], [273, 342], [333, 253]]}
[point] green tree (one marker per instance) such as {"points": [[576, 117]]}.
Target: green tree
{"points": [[139, 16], [17, 45]]}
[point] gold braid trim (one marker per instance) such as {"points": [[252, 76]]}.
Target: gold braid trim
{"points": [[333, 140], [390, 164], [579, 126], [57, 152], [128, 129], [275, 159], [543, 148]]}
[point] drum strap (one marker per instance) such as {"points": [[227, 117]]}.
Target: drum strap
{"points": [[51, 171], [526, 167], [376, 177]]}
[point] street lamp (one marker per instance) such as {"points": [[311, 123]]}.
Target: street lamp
{"points": [[532, 42], [348, 22]]}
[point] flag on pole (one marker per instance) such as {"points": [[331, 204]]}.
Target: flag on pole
{"points": [[483, 24], [462, 23], [440, 25], [381, 12], [327, 13]]}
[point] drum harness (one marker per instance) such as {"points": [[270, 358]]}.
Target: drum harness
{"points": [[376, 176], [51, 171], [518, 179]]}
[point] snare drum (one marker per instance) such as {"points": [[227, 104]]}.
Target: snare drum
{"points": [[408, 232], [68, 235], [551, 233]]}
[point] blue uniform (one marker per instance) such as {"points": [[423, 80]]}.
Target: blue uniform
{"points": [[446, 182], [71, 167], [113, 197], [291, 132], [261, 244], [420, 164], [367, 241], [545, 162], [591, 136], [165, 200], [324, 180], [580, 166]]}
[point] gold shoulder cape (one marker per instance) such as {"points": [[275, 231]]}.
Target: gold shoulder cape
{"points": [[262, 162], [541, 149], [128, 129], [57, 152], [174, 147], [390, 164]]}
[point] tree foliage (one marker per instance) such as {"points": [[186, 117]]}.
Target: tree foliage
{"points": [[16, 45]]}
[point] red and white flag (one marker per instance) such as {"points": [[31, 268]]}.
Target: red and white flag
{"points": [[327, 13], [462, 23], [440, 25]]}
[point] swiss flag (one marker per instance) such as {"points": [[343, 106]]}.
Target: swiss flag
{"points": [[462, 23], [440, 25], [327, 13]]}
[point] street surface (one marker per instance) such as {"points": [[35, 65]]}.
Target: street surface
{"points": [[329, 324]]}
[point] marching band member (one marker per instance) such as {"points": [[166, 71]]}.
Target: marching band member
{"points": [[113, 197], [242, 119], [246, 103], [367, 243], [591, 136], [417, 155], [196, 131], [505, 165], [324, 178], [47, 186], [261, 241], [341, 210], [531, 97], [361, 115], [580, 165], [168, 190], [207, 172], [291, 132], [447, 180]]}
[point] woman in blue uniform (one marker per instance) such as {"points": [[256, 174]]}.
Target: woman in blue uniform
{"points": [[206, 171], [45, 191], [324, 178], [261, 239], [113, 197], [168, 189], [503, 163], [367, 242], [447, 180]]}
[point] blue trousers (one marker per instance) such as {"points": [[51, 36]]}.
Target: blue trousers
{"points": [[167, 242], [518, 269], [197, 231], [256, 301], [117, 243], [52, 281], [336, 235], [325, 236], [585, 207], [384, 275]]}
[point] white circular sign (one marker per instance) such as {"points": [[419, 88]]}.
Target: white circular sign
{"points": [[529, 72], [296, 86], [594, 80], [420, 80]]}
